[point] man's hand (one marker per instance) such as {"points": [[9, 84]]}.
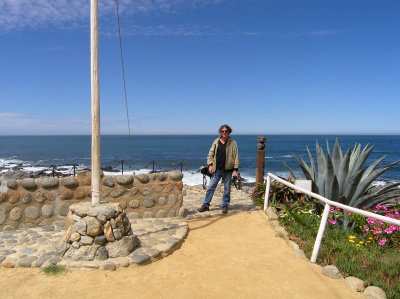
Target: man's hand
{"points": [[235, 173], [210, 169]]}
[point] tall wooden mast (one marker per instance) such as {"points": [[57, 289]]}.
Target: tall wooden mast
{"points": [[95, 100]]}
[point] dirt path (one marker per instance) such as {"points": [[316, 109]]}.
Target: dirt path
{"points": [[235, 256]]}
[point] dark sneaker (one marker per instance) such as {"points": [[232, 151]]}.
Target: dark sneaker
{"points": [[224, 209], [203, 209]]}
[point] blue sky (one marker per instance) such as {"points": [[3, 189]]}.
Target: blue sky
{"points": [[264, 67]]}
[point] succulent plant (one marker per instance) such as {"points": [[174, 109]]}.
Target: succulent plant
{"points": [[344, 179]]}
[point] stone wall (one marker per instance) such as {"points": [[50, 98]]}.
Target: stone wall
{"points": [[32, 202]]}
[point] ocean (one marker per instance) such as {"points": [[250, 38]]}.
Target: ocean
{"points": [[188, 152]]}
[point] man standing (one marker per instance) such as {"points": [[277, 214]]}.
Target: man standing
{"points": [[222, 161]]}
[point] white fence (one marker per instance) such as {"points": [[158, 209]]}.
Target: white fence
{"points": [[328, 204]]}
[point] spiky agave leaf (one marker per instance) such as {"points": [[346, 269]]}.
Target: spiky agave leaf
{"points": [[290, 170], [312, 163], [343, 171]]}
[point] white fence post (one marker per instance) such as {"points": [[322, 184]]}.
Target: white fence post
{"points": [[267, 192], [321, 231]]}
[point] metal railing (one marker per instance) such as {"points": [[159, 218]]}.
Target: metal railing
{"points": [[328, 204]]}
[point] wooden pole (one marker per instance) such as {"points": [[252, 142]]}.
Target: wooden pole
{"points": [[95, 100], [260, 160]]}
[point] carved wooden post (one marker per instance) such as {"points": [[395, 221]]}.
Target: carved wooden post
{"points": [[260, 160]]}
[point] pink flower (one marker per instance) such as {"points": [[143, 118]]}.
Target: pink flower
{"points": [[331, 209], [389, 230], [370, 221], [378, 230], [363, 266], [382, 241], [337, 209], [396, 212], [366, 228], [332, 221]]}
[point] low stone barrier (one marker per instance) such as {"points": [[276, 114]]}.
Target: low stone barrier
{"points": [[30, 202]]}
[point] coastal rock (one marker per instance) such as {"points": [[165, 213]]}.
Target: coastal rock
{"points": [[101, 254], [70, 182], [32, 213], [29, 184], [176, 175], [16, 214], [14, 197], [108, 181], [83, 253], [12, 184], [143, 178], [49, 183], [124, 179]]}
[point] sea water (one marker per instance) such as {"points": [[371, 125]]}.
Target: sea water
{"points": [[142, 153]]}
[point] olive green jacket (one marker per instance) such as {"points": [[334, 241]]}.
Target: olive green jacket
{"points": [[232, 154]]}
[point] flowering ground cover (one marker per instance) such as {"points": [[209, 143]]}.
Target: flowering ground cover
{"points": [[363, 247]]}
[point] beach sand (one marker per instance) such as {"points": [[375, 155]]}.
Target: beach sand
{"points": [[235, 256]]}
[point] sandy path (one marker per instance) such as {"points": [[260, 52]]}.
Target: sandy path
{"points": [[235, 256]]}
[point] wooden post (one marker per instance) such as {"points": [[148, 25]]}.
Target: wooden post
{"points": [[95, 100], [260, 160]]}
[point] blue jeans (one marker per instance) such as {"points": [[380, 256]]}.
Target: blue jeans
{"points": [[226, 176]]}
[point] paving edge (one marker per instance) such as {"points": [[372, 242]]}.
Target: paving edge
{"points": [[280, 232]]}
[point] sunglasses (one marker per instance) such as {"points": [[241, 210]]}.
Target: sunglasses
{"points": [[224, 131]]}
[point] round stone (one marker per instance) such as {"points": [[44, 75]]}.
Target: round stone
{"points": [[29, 184], [80, 193], [161, 214], [332, 272], [117, 193], [145, 191], [94, 227], [14, 197], [162, 201], [143, 178], [109, 266], [51, 195], [26, 198], [3, 197], [172, 213], [49, 183], [40, 197], [168, 188], [101, 253], [63, 209], [70, 182], [149, 202], [12, 184], [176, 175], [171, 200], [3, 216], [108, 181], [133, 191], [148, 214], [67, 195], [162, 176], [16, 214], [123, 204], [47, 211], [86, 240], [32, 213], [374, 292], [133, 215], [124, 179], [134, 203]]}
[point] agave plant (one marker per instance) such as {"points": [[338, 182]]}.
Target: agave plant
{"points": [[343, 178]]}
